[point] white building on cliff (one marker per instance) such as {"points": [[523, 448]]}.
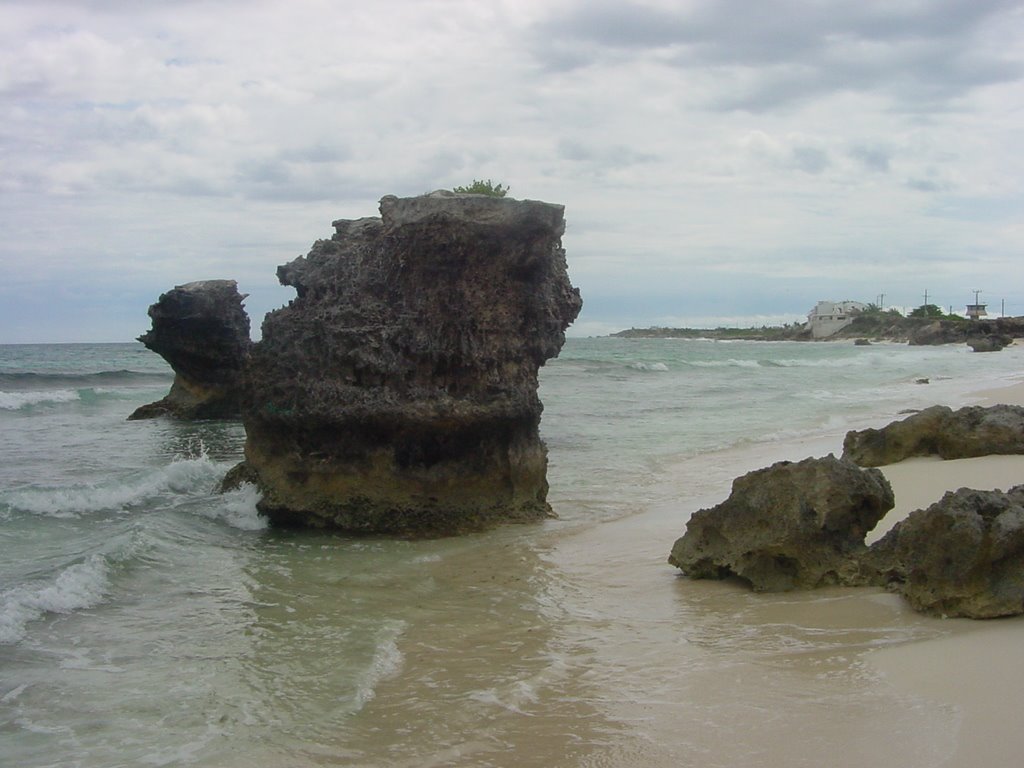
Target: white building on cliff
{"points": [[827, 317]]}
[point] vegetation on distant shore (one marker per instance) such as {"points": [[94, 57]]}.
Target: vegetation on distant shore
{"points": [[787, 332], [930, 310], [925, 325]]}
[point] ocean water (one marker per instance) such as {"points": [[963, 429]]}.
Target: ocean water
{"points": [[147, 620]]}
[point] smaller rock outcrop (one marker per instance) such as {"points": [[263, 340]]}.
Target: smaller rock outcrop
{"points": [[993, 342], [789, 526], [962, 556], [940, 431], [933, 332], [202, 331]]}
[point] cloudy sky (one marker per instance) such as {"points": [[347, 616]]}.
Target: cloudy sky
{"points": [[721, 161]]}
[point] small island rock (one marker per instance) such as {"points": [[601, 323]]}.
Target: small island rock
{"points": [[993, 342], [202, 331]]}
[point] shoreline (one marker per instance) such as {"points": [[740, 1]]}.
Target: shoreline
{"points": [[977, 668], [843, 676]]}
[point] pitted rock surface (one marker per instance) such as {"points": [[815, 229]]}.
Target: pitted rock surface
{"points": [[397, 393], [789, 526], [940, 431], [202, 331]]}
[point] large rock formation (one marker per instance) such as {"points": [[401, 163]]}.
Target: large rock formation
{"points": [[789, 526], [963, 556], [398, 392], [940, 431], [202, 331]]}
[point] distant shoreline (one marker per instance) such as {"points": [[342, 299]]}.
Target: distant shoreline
{"points": [[868, 327]]}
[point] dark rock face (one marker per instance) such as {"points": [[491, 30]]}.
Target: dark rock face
{"points": [[934, 332], [940, 431], [963, 556], [398, 392], [993, 334], [202, 331], [992, 342], [789, 526]]}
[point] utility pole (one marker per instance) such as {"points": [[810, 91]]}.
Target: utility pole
{"points": [[881, 301], [925, 297]]}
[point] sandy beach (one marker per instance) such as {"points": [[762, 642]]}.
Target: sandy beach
{"points": [[978, 668], [837, 677]]}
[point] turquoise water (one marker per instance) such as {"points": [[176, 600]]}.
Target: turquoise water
{"points": [[147, 620]]}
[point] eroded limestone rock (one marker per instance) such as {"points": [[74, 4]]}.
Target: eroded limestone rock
{"points": [[202, 331], [992, 342], [940, 431], [962, 556], [398, 392], [789, 526]]}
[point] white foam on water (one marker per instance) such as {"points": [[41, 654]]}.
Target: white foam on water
{"points": [[79, 586], [13, 694], [387, 662], [15, 401], [513, 698], [237, 508], [654, 367], [182, 476]]}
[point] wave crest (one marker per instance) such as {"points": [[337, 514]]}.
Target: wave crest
{"points": [[655, 367], [79, 586], [191, 476], [15, 401]]}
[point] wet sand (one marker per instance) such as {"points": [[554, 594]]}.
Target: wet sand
{"points": [[977, 669], [710, 673]]}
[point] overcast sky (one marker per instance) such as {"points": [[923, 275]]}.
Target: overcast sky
{"points": [[720, 161]]}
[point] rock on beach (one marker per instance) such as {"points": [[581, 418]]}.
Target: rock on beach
{"points": [[940, 431], [962, 556], [803, 525], [788, 526]]}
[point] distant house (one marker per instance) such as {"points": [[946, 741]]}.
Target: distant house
{"points": [[974, 311], [827, 317]]}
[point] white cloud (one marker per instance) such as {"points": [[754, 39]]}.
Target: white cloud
{"points": [[750, 157]]}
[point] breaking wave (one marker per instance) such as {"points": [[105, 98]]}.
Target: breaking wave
{"points": [[237, 508], [81, 584], [186, 476], [656, 367], [14, 401], [77, 380]]}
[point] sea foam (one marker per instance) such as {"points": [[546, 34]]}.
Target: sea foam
{"points": [[655, 367], [16, 401], [82, 585], [237, 508], [387, 661], [182, 476]]}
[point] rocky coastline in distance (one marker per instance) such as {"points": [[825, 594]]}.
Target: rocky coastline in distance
{"points": [[867, 327]]}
